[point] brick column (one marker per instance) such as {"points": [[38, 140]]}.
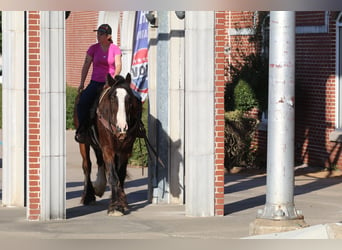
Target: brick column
{"points": [[220, 38], [33, 115]]}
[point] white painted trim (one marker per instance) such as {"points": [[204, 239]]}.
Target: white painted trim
{"points": [[241, 32], [311, 29]]}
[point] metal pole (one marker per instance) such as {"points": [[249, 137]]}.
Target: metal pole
{"points": [[281, 119], [161, 188]]}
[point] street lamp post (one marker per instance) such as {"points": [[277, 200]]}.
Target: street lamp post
{"points": [[279, 213]]}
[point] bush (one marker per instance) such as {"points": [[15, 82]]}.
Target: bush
{"points": [[238, 136], [254, 72], [244, 98], [248, 89], [71, 93], [140, 154]]}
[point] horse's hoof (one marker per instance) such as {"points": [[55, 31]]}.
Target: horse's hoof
{"points": [[88, 201], [115, 213]]}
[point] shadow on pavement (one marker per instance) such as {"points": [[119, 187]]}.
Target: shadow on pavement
{"points": [[244, 182], [136, 199]]}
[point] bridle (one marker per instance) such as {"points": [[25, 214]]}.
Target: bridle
{"points": [[106, 121]]}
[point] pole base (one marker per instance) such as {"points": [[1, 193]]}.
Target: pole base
{"points": [[267, 226]]}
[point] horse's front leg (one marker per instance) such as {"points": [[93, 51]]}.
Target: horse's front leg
{"points": [[116, 206], [88, 195], [122, 172]]}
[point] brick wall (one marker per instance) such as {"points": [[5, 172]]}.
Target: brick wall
{"points": [[33, 124], [240, 43], [315, 92], [220, 58]]}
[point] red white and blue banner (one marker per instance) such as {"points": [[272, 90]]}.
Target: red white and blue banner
{"points": [[139, 67]]}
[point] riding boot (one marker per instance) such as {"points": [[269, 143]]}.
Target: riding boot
{"points": [[81, 134]]}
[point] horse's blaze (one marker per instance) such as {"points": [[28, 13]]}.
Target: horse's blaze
{"points": [[121, 123]]}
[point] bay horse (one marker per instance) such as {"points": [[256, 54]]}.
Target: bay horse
{"points": [[114, 128]]}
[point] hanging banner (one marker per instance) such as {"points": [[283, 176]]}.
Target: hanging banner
{"points": [[139, 83]]}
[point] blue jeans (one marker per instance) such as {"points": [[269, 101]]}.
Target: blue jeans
{"points": [[87, 99]]}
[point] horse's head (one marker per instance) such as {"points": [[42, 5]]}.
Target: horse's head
{"points": [[120, 105]]}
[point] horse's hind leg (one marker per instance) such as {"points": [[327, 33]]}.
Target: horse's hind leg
{"points": [[101, 180], [88, 195]]}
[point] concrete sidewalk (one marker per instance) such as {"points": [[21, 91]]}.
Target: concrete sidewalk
{"points": [[317, 194]]}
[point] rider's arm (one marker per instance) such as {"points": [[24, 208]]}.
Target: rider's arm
{"points": [[86, 65]]}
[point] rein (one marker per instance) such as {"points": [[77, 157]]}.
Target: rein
{"points": [[142, 133], [105, 122]]}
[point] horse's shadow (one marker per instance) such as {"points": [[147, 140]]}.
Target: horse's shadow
{"points": [[135, 199]]}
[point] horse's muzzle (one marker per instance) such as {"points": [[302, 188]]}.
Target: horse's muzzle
{"points": [[121, 133], [121, 136]]}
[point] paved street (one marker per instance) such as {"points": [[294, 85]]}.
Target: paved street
{"points": [[317, 194]]}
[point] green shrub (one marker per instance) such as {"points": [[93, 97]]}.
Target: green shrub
{"points": [[238, 136], [71, 93], [140, 155], [244, 98], [254, 71], [235, 115]]}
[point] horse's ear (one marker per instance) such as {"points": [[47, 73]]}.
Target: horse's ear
{"points": [[109, 80], [128, 78]]}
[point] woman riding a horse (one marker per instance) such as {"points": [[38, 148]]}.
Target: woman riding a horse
{"points": [[113, 126], [106, 59]]}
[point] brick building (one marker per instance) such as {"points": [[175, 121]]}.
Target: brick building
{"points": [[318, 78]]}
